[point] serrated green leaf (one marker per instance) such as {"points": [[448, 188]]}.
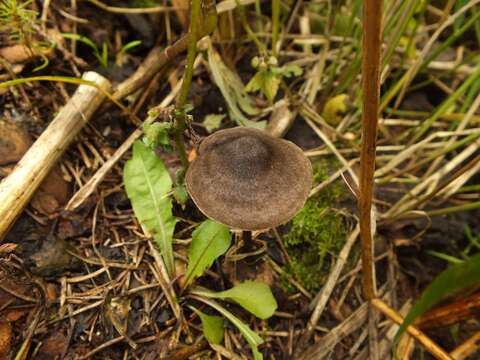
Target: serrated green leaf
{"points": [[250, 336], [255, 297], [148, 184], [455, 278], [212, 326], [156, 135], [212, 121], [209, 241], [255, 83], [292, 70], [267, 81]]}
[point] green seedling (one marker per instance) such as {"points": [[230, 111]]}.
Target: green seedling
{"points": [[102, 55], [269, 76], [18, 20], [457, 277], [149, 187]]}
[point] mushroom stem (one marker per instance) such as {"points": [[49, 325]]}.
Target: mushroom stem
{"points": [[247, 241], [247, 236]]}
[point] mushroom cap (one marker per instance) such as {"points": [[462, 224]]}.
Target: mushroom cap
{"points": [[249, 180]]}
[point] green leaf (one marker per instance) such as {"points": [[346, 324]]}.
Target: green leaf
{"points": [[129, 46], [209, 241], [103, 58], [255, 83], [267, 81], [212, 121], [250, 336], [148, 184], [292, 70], [271, 84], [238, 101], [212, 326], [156, 135], [255, 297], [455, 278], [446, 257], [180, 194], [82, 39], [334, 108]]}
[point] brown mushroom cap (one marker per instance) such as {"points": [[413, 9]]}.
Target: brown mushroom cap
{"points": [[249, 180]]}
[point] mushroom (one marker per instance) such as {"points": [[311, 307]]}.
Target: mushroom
{"points": [[249, 180]]}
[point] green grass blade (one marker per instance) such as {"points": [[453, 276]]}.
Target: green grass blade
{"points": [[446, 105], [452, 280]]}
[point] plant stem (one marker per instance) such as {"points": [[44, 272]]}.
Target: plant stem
{"points": [[196, 18], [180, 120], [372, 29], [258, 12], [260, 46], [275, 25], [454, 209], [192, 52]]}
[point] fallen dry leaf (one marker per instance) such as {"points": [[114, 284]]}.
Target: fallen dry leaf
{"points": [[5, 339], [52, 258], [14, 142], [20, 53], [51, 291], [7, 248], [52, 193], [15, 314], [53, 346]]}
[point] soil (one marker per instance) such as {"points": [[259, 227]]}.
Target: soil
{"points": [[66, 278]]}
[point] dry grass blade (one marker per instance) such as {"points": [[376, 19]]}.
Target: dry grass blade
{"points": [[328, 342], [17, 189], [469, 347], [408, 77], [324, 295], [433, 348], [372, 30]]}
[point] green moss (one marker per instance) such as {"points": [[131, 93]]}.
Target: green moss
{"points": [[317, 233]]}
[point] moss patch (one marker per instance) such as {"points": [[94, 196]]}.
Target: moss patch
{"points": [[317, 233]]}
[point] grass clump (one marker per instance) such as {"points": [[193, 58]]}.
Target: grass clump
{"points": [[317, 233], [18, 20]]}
